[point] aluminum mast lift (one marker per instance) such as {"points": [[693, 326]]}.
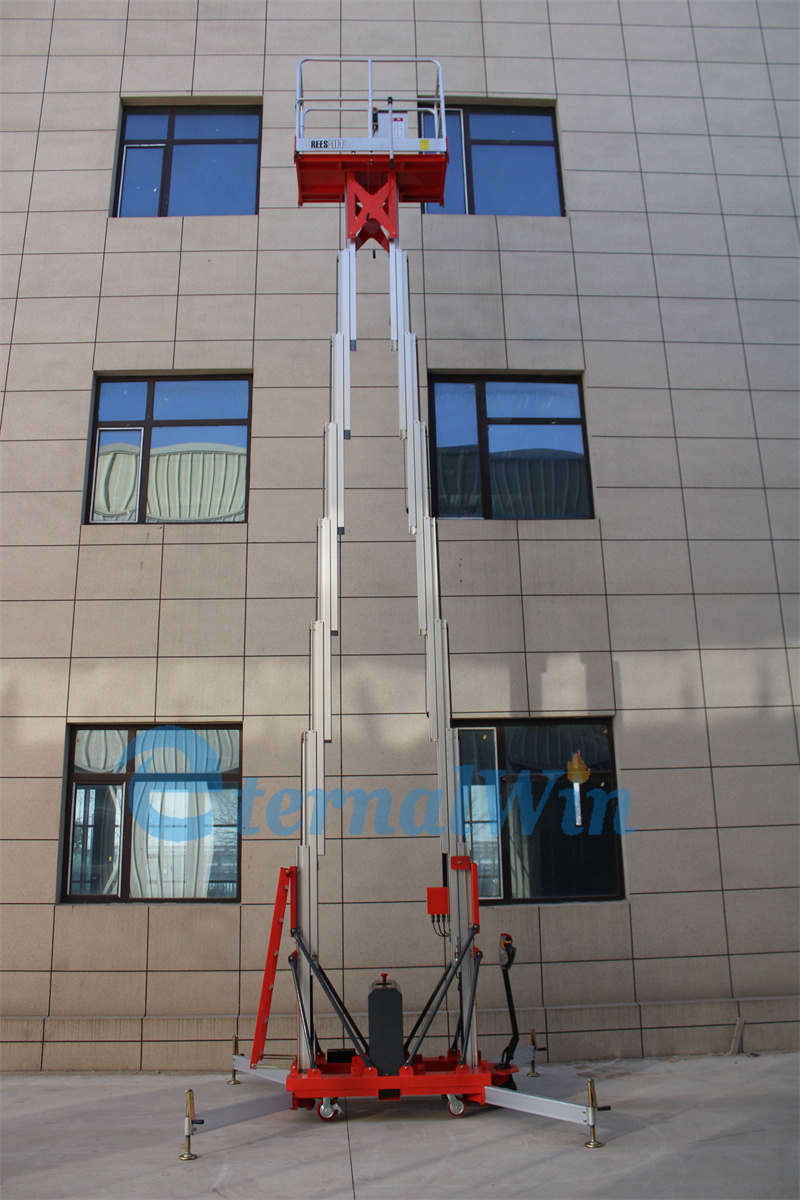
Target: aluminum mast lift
{"points": [[388, 148]]}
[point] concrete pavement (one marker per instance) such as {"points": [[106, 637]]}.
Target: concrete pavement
{"points": [[714, 1127]]}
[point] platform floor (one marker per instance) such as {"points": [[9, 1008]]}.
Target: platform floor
{"points": [[710, 1127]]}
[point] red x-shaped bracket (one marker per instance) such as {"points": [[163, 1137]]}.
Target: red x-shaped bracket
{"points": [[371, 214]]}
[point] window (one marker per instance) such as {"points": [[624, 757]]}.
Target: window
{"points": [[170, 450], [502, 161], [153, 814], [509, 448], [540, 809], [183, 162]]}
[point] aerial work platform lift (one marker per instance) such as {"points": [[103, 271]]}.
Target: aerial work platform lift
{"points": [[373, 148]]}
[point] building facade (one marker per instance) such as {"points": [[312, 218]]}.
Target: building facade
{"points": [[606, 313]]}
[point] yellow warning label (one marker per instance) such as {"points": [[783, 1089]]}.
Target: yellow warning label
{"points": [[424, 144]]}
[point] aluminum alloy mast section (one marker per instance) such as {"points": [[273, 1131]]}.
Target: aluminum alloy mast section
{"points": [[431, 626], [324, 627], [434, 629]]}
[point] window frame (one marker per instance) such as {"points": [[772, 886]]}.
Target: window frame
{"points": [[146, 426], [169, 142], [499, 725], [484, 423], [467, 141], [76, 778]]}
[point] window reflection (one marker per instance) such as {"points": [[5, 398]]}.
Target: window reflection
{"points": [[480, 806], [94, 853], [542, 854], [184, 459], [536, 468], [197, 473], [154, 813], [184, 841], [117, 469], [509, 449]]}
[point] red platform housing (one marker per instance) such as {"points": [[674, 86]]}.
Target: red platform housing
{"points": [[321, 178]]}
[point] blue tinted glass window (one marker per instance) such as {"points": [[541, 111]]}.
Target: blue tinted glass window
{"points": [[185, 460], [146, 127], [218, 125], [546, 441], [534, 400], [454, 188], [199, 437], [189, 162], [456, 421], [537, 471], [457, 458], [141, 181], [511, 126], [199, 399], [515, 180], [509, 449], [502, 162], [213, 179], [125, 400]]}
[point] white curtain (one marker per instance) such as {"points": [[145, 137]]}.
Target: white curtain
{"points": [[197, 483], [116, 488], [173, 841], [101, 750]]}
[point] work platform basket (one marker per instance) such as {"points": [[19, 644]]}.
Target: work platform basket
{"points": [[363, 117]]}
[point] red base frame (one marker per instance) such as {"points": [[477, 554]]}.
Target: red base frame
{"points": [[441, 1076]]}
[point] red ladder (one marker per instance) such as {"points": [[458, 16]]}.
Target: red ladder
{"points": [[287, 887]]}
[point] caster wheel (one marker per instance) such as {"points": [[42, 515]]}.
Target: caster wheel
{"points": [[456, 1106], [328, 1109]]}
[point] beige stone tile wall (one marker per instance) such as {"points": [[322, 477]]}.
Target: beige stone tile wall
{"points": [[670, 287]]}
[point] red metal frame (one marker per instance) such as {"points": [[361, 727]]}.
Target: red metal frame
{"points": [[371, 214], [440, 1075], [436, 1076], [287, 887]]}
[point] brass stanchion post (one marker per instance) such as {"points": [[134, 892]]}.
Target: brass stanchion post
{"points": [[591, 1105], [533, 1072], [188, 1130], [233, 1078]]}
